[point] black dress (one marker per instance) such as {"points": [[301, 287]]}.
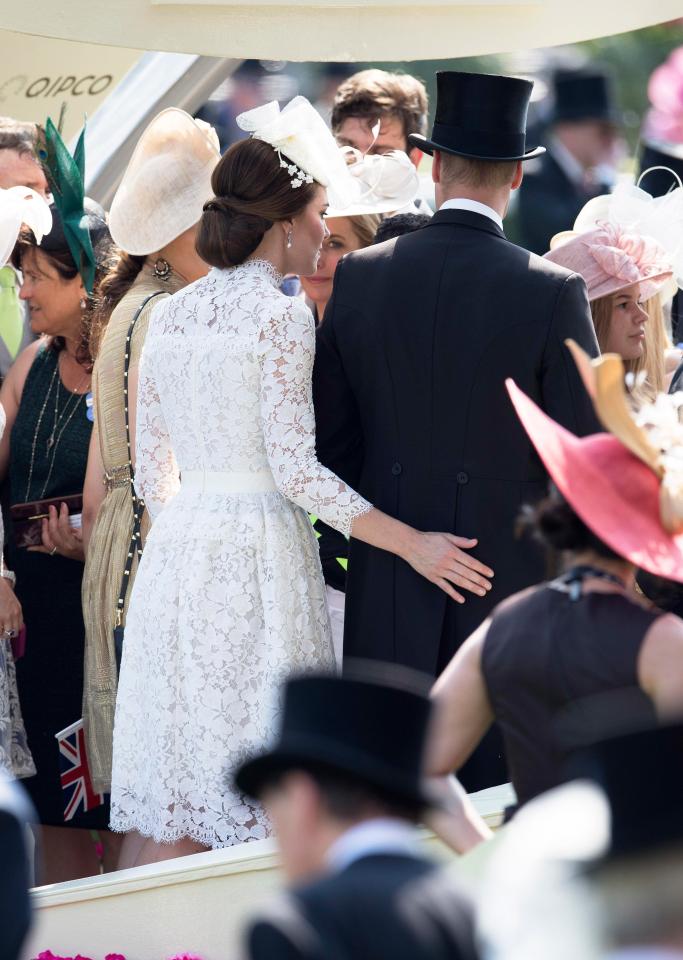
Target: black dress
{"points": [[562, 673], [50, 674]]}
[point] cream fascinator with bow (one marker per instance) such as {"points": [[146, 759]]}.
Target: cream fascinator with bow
{"points": [[653, 433], [304, 144], [18, 206], [385, 182]]}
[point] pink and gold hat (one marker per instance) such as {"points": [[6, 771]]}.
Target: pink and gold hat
{"points": [[610, 259], [617, 483]]}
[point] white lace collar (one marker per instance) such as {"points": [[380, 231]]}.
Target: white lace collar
{"points": [[263, 267]]}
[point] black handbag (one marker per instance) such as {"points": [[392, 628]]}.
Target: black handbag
{"points": [[135, 545]]}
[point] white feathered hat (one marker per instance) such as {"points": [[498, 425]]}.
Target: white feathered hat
{"points": [[299, 135], [166, 183], [385, 182], [20, 205]]}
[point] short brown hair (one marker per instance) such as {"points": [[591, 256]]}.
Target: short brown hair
{"points": [[477, 173], [373, 94], [252, 192]]}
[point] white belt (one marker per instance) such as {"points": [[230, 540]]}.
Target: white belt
{"points": [[228, 481]]}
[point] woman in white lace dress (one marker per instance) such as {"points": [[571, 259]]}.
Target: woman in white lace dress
{"points": [[229, 598]]}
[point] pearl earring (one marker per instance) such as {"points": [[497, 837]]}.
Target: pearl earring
{"points": [[84, 303], [289, 240]]}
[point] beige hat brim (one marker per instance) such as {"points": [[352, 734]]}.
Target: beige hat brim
{"points": [[166, 183]]}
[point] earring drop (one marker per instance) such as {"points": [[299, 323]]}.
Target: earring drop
{"points": [[289, 240], [84, 303], [162, 269]]}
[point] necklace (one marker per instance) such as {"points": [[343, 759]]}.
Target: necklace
{"points": [[56, 435], [571, 582], [77, 392]]}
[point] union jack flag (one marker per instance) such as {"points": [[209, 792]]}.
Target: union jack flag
{"points": [[75, 772]]}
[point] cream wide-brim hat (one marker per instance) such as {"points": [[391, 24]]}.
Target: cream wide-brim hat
{"points": [[166, 183]]}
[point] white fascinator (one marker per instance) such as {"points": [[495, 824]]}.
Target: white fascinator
{"points": [[20, 205], [304, 144], [634, 210], [384, 183]]}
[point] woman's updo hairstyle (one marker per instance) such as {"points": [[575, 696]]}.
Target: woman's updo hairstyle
{"points": [[554, 523], [252, 192]]}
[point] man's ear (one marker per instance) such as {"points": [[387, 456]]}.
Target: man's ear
{"points": [[415, 156], [518, 177], [436, 167]]}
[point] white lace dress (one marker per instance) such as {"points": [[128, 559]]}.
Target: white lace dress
{"points": [[15, 756], [229, 598]]}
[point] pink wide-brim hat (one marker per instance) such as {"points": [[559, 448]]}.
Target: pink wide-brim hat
{"points": [[612, 491], [610, 259]]}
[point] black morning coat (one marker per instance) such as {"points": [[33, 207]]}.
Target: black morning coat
{"points": [[412, 411], [548, 202], [381, 906]]}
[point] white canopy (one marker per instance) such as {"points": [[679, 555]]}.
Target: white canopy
{"points": [[333, 29]]}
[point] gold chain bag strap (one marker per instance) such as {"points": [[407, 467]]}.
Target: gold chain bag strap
{"points": [[135, 545]]}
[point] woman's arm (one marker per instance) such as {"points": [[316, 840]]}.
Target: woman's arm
{"points": [[455, 821], [660, 665], [286, 347], [462, 711], [10, 397], [93, 488]]}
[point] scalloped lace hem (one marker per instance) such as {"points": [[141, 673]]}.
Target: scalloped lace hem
{"points": [[206, 838]]}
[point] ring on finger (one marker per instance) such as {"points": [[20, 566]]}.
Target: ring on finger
{"points": [[53, 551]]}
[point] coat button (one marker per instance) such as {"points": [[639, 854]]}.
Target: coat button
{"points": [[397, 469], [462, 477]]}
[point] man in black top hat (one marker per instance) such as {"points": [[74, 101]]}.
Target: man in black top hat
{"points": [[579, 162], [343, 790], [409, 384]]}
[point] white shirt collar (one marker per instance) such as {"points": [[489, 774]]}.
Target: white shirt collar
{"points": [[382, 835], [567, 162], [475, 207]]}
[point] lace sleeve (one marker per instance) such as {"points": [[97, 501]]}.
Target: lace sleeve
{"points": [[157, 478], [286, 351]]}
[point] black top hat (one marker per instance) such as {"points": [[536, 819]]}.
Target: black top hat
{"points": [[659, 182], [584, 95], [373, 732], [479, 116], [642, 776]]}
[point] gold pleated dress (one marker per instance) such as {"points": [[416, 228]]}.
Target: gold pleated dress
{"points": [[111, 534]]}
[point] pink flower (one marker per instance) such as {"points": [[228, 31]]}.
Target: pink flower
{"points": [[114, 956]]}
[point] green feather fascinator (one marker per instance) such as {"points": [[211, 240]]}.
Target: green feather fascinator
{"points": [[66, 178]]}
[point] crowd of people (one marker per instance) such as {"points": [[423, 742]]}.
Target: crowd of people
{"points": [[270, 419]]}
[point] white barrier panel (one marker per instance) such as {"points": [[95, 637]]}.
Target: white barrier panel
{"points": [[196, 904]]}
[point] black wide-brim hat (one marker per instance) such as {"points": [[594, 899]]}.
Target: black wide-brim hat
{"points": [[480, 116], [373, 732]]}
